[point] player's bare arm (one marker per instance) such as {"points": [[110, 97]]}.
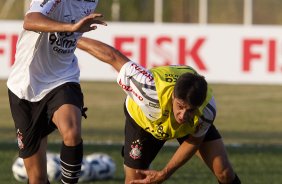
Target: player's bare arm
{"points": [[185, 151], [36, 21], [103, 52]]}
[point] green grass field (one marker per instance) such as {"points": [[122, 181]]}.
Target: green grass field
{"points": [[249, 118]]}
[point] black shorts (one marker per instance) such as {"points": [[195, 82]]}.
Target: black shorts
{"points": [[33, 120], [140, 147]]}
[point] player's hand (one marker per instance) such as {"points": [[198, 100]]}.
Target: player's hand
{"points": [[88, 23], [151, 177]]}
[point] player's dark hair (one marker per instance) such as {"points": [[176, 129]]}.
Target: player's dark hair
{"points": [[191, 88]]}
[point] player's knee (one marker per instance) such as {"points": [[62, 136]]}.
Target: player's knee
{"points": [[72, 137], [131, 174]]}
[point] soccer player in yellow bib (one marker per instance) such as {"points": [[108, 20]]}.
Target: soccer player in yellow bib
{"points": [[163, 103]]}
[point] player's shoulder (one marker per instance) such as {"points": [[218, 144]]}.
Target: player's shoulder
{"points": [[173, 67]]}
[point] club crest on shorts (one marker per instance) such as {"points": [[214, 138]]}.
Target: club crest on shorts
{"points": [[20, 138], [136, 148]]}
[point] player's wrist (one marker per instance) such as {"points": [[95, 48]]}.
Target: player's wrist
{"points": [[69, 28], [165, 173]]}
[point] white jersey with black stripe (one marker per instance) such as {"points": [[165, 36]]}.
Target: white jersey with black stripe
{"points": [[45, 60], [139, 84]]}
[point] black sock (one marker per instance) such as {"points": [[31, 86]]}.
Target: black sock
{"points": [[71, 158], [235, 181]]}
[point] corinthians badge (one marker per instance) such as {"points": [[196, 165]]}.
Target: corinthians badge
{"points": [[136, 148], [19, 139]]}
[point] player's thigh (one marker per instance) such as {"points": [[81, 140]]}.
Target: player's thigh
{"points": [[67, 117], [65, 108], [31, 124], [140, 147]]}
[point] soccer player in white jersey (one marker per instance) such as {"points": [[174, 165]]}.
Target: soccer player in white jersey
{"points": [[166, 102], [44, 89]]}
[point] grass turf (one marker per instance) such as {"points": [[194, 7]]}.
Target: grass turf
{"points": [[249, 118]]}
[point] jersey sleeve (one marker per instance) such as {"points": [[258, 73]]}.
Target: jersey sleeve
{"points": [[138, 83], [42, 6], [206, 120]]}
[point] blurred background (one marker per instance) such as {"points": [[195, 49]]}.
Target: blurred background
{"points": [[254, 12]]}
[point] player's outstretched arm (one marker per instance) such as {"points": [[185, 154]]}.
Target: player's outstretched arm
{"points": [[38, 22], [185, 151], [103, 52]]}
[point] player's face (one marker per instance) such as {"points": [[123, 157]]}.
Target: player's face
{"points": [[183, 112]]}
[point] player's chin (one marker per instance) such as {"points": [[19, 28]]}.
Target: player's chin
{"points": [[180, 121]]}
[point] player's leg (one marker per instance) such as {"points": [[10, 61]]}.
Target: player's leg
{"points": [[140, 149], [131, 174], [36, 165], [213, 153], [68, 120], [68, 103], [32, 130], [139, 154]]}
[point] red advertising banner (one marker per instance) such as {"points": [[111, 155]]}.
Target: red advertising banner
{"points": [[224, 54]]}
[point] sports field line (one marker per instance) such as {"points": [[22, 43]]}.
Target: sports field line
{"points": [[173, 144]]}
